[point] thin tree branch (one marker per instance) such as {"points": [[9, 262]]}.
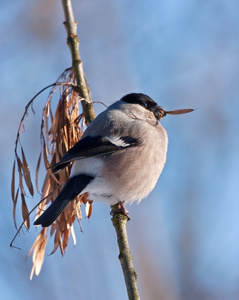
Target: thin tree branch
{"points": [[73, 43], [119, 221]]}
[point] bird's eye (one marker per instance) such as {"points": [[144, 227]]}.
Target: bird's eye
{"points": [[144, 104]]}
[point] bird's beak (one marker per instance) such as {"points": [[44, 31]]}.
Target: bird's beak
{"points": [[179, 111], [160, 112]]}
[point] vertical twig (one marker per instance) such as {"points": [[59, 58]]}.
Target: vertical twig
{"points": [[119, 221], [73, 43]]}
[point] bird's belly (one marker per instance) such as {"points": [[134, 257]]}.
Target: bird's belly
{"points": [[126, 181], [101, 190], [133, 180]]}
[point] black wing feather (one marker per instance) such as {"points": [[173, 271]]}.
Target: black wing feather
{"points": [[92, 146]]}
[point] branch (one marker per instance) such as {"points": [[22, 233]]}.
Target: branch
{"points": [[119, 221], [73, 43]]}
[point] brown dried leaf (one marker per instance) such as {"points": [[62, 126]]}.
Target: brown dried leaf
{"points": [[40, 257], [73, 235], [78, 210], [38, 239], [45, 155], [55, 248], [19, 166], [61, 221], [59, 146], [53, 228], [26, 173], [37, 172], [55, 121], [51, 115], [72, 216], [46, 185], [13, 182], [84, 198], [74, 133], [70, 213], [88, 209], [65, 138], [14, 208], [57, 241], [25, 213], [38, 249], [66, 236], [46, 114]]}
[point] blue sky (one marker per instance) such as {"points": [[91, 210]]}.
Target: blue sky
{"points": [[185, 235]]}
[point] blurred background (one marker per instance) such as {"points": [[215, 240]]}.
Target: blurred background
{"points": [[184, 54]]}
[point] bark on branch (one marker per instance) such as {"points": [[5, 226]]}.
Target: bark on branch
{"points": [[120, 221], [73, 43]]}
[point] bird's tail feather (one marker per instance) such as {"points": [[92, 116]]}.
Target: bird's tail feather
{"points": [[72, 188]]}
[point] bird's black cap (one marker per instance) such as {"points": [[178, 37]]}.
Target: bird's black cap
{"points": [[141, 99]]}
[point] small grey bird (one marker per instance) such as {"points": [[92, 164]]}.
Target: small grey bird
{"points": [[119, 157]]}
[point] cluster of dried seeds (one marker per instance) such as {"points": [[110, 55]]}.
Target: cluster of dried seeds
{"points": [[59, 132]]}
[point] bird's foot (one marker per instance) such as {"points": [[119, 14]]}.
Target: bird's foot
{"points": [[119, 208]]}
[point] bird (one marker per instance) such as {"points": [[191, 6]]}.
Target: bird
{"points": [[118, 159]]}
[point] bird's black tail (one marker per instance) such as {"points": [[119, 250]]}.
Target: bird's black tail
{"points": [[72, 188]]}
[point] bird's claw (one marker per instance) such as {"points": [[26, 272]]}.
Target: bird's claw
{"points": [[120, 210]]}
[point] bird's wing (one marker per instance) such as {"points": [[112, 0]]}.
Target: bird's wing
{"points": [[95, 146]]}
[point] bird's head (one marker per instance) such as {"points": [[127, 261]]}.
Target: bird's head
{"points": [[149, 104]]}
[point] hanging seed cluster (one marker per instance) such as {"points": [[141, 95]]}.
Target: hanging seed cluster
{"points": [[60, 130]]}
